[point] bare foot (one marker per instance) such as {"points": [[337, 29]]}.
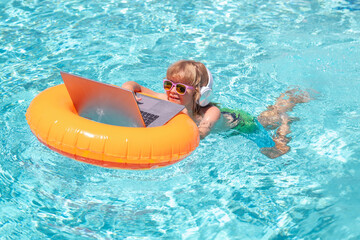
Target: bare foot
{"points": [[280, 148], [297, 95], [280, 139], [272, 152]]}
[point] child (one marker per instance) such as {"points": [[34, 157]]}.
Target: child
{"points": [[190, 83]]}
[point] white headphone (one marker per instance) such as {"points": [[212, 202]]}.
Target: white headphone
{"points": [[205, 92]]}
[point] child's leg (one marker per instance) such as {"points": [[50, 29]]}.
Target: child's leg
{"points": [[284, 103], [280, 139], [276, 117]]}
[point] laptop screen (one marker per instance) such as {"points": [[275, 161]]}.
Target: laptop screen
{"points": [[103, 102]]}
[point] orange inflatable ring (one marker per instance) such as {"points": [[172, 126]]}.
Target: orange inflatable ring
{"points": [[54, 121]]}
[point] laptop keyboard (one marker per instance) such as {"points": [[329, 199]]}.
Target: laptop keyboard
{"points": [[148, 117]]}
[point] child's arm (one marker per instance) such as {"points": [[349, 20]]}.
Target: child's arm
{"points": [[211, 116], [135, 87]]}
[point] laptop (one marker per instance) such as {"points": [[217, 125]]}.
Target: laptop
{"points": [[114, 105]]}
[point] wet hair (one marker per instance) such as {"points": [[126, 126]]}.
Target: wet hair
{"points": [[191, 73]]}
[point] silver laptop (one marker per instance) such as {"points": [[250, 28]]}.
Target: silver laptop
{"points": [[114, 105]]}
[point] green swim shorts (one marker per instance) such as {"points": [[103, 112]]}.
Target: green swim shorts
{"points": [[247, 123], [250, 127]]}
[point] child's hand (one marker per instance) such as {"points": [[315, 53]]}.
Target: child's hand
{"points": [[134, 87], [137, 98]]}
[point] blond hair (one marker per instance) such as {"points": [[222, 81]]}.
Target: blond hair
{"points": [[191, 73]]}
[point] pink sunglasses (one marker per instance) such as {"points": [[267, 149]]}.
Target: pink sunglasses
{"points": [[180, 87]]}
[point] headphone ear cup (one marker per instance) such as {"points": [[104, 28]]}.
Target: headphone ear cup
{"points": [[205, 93]]}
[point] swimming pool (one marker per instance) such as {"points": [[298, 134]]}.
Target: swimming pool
{"points": [[226, 189]]}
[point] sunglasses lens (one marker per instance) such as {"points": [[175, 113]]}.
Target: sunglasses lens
{"points": [[167, 85], [181, 89]]}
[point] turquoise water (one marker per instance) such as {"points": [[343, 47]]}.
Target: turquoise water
{"points": [[226, 189]]}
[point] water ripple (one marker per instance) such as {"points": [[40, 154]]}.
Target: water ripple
{"points": [[226, 189]]}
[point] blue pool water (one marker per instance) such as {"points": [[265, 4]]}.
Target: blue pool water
{"points": [[226, 189]]}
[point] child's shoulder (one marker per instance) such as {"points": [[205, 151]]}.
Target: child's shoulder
{"points": [[211, 111]]}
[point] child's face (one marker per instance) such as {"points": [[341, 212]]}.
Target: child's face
{"points": [[175, 97]]}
